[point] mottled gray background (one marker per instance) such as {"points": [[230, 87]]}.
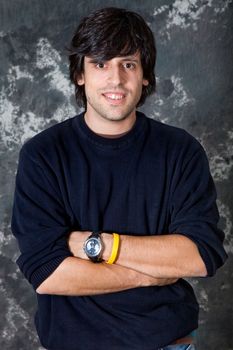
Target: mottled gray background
{"points": [[195, 91]]}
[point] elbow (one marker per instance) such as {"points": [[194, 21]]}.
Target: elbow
{"points": [[52, 284], [202, 271], [197, 268], [42, 289], [46, 287]]}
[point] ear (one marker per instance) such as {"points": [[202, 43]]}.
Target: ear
{"points": [[80, 79], [145, 82]]}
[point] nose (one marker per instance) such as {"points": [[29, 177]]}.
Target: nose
{"points": [[116, 75]]}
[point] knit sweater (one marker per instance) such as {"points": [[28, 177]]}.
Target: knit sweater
{"points": [[153, 180]]}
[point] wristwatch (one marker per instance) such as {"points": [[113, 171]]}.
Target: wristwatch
{"points": [[93, 247]]}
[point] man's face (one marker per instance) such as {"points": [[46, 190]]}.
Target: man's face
{"points": [[113, 88]]}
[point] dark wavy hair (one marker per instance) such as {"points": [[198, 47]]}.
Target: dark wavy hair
{"points": [[108, 33]]}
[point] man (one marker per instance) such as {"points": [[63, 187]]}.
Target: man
{"points": [[112, 209]]}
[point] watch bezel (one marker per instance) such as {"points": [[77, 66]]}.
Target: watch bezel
{"points": [[95, 236]]}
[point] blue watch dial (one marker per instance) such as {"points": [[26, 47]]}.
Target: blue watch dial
{"points": [[93, 247]]}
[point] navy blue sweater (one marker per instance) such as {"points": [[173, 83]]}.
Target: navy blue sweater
{"points": [[154, 180]]}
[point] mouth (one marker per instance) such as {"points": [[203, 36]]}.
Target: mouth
{"points": [[115, 98]]}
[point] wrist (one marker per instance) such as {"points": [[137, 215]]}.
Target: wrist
{"points": [[107, 242], [75, 243], [115, 245]]}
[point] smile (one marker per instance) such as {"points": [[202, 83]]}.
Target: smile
{"points": [[114, 96]]}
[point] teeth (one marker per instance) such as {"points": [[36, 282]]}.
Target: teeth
{"points": [[114, 96]]}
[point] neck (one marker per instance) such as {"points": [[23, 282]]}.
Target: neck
{"points": [[112, 136], [110, 128]]}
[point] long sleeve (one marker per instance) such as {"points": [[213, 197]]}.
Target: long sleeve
{"points": [[39, 221], [153, 180], [193, 207]]}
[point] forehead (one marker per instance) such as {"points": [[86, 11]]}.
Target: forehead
{"points": [[134, 57]]}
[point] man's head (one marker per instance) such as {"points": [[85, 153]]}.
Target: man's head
{"points": [[109, 33]]}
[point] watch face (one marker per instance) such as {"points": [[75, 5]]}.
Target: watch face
{"points": [[93, 247]]}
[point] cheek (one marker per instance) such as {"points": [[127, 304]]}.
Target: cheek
{"points": [[137, 80], [94, 82]]}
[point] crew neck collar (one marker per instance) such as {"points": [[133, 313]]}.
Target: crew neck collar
{"points": [[112, 143]]}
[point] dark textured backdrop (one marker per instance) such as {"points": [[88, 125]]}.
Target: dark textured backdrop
{"points": [[195, 91]]}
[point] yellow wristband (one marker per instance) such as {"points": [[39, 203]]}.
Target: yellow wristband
{"points": [[115, 248]]}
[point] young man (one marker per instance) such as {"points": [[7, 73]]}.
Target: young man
{"points": [[113, 209]]}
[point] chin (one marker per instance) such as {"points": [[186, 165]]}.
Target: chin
{"points": [[120, 117]]}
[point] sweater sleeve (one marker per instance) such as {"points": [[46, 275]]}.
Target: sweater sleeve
{"points": [[193, 208], [39, 221]]}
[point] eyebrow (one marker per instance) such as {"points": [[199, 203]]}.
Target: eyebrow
{"points": [[130, 58], [124, 58]]}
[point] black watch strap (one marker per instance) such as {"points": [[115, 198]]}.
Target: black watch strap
{"points": [[95, 234]]}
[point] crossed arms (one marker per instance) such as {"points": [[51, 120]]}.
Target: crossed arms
{"points": [[142, 261], [41, 223]]}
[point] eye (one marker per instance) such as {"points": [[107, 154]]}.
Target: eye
{"points": [[100, 65], [129, 65]]}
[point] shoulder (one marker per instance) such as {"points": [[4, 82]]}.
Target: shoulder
{"points": [[172, 137], [49, 140]]}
